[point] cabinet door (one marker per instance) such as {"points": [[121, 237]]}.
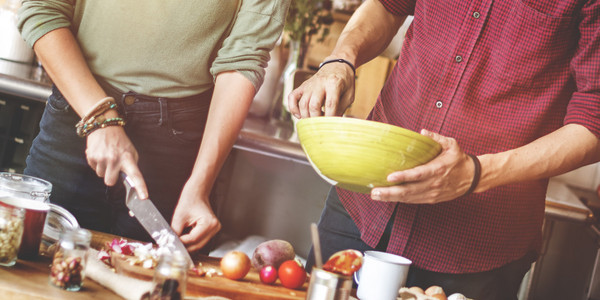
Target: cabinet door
{"points": [[5, 115], [19, 124]]}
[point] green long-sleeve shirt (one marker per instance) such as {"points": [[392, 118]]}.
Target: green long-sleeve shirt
{"points": [[163, 48]]}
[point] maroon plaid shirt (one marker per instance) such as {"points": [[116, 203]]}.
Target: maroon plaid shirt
{"points": [[494, 75]]}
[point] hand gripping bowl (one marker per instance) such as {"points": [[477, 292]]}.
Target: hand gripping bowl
{"points": [[357, 154]]}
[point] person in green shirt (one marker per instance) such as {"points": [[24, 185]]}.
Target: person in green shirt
{"points": [[159, 88]]}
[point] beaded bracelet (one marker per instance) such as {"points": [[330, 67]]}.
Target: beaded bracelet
{"points": [[100, 107], [89, 119], [476, 174], [100, 122], [340, 60]]}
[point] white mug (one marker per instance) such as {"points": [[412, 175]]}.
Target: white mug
{"points": [[381, 275]]}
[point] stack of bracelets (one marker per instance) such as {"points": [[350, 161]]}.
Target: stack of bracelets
{"points": [[95, 118]]}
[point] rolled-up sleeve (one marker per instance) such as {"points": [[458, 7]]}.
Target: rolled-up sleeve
{"points": [[584, 106], [38, 17], [257, 28]]}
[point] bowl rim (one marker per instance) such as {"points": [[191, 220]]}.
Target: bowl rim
{"points": [[335, 120]]}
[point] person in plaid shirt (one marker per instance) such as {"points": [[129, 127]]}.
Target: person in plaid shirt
{"points": [[510, 89]]}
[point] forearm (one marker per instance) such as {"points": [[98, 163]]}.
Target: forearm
{"points": [[368, 32], [566, 149], [62, 59], [231, 100]]}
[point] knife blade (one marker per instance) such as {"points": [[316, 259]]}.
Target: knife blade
{"points": [[151, 219]]}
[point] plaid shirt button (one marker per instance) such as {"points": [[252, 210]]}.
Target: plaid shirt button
{"points": [[438, 104], [458, 58], [476, 15]]}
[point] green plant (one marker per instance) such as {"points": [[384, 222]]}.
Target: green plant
{"points": [[306, 18]]}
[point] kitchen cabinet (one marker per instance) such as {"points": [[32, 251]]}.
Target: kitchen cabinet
{"points": [[269, 196], [565, 271], [570, 260], [19, 124]]}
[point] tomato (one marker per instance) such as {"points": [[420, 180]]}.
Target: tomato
{"points": [[268, 274], [235, 265], [292, 274]]}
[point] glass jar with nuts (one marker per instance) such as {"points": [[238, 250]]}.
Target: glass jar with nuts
{"points": [[11, 231], [68, 266]]}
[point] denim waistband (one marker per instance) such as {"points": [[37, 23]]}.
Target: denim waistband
{"points": [[129, 98], [132, 102]]}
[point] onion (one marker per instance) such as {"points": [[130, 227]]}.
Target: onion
{"points": [[235, 265]]}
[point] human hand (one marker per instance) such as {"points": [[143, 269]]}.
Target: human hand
{"points": [[110, 151], [193, 212], [332, 87], [446, 177]]}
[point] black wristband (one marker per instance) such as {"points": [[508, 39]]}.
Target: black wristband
{"points": [[340, 60], [476, 174]]}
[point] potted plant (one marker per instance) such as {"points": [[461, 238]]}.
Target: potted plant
{"points": [[305, 19]]}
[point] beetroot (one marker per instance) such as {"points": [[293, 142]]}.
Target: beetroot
{"points": [[272, 253]]}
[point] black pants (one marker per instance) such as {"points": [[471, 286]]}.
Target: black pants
{"points": [[337, 232]]}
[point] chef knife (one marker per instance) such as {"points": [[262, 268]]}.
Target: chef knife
{"points": [[151, 219]]}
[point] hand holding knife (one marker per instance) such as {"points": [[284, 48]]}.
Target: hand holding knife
{"points": [[151, 219]]}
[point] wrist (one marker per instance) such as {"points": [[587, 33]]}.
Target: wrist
{"points": [[476, 174], [103, 114], [198, 186], [111, 113], [494, 172], [342, 55], [339, 61]]}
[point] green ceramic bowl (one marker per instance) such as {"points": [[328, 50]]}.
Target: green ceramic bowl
{"points": [[357, 154]]}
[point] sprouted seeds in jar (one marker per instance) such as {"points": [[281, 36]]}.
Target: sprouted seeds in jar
{"points": [[11, 231]]}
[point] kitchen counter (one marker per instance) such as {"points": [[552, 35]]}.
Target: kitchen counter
{"points": [[29, 280], [563, 203], [28, 88]]}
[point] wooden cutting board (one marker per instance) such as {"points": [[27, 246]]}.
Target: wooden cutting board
{"points": [[249, 288]]}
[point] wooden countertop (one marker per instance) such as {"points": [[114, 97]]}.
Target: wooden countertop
{"points": [[29, 280]]}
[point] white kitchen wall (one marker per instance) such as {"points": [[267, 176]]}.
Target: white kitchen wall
{"points": [[587, 177]]}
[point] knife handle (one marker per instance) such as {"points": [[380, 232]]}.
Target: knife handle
{"points": [[126, 181]]}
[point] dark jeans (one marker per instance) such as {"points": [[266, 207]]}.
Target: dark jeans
{"points": [[167, 135], [337, 232]]}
